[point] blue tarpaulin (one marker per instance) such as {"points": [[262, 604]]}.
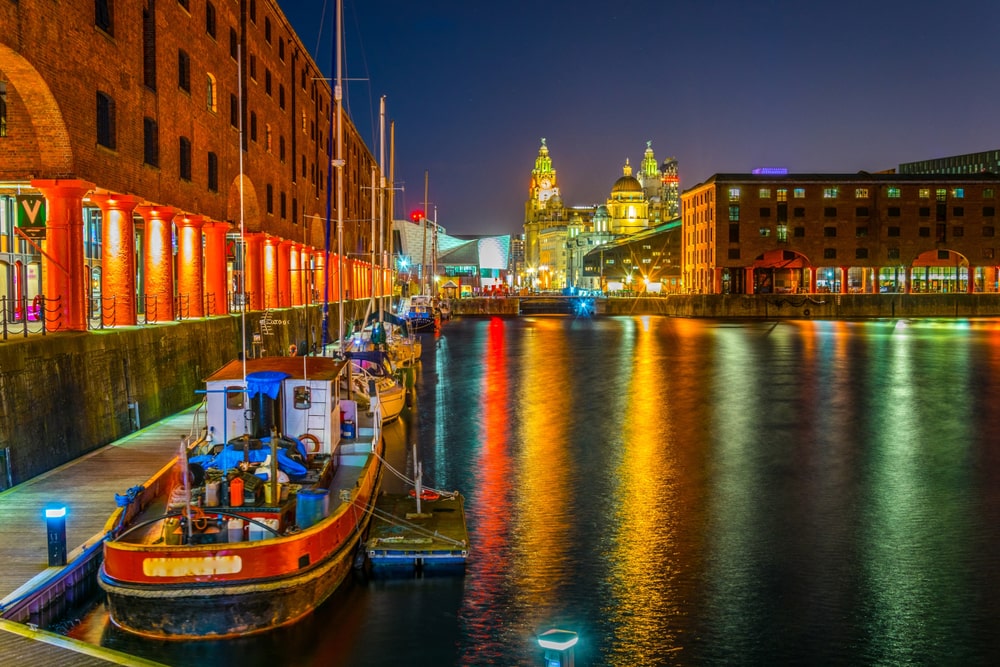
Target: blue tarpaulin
{"points": [[232, 455], [265, 382]]}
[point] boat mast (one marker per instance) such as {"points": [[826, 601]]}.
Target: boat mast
{"points": [[423, 246], [381, 209], [339, 164]]}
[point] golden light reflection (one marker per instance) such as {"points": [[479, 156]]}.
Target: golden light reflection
{"points": [[644, 562]]}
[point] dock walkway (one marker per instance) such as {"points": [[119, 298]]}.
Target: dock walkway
{"points": [[87, 488]]}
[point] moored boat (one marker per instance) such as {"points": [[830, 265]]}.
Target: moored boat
{"points": [[208, 547], [419, 311]]}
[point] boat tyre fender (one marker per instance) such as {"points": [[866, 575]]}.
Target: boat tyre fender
{"points": [[309, 437]]}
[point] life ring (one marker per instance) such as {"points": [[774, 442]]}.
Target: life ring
{"points": [[310, 438], [426, 494], [199, 520]]}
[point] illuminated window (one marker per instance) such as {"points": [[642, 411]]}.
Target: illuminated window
{"points": [[765, 193], [211, 102], [799, 193], [987, 193], [893, 192], [861, 193], [734, 212], [958, 193], [734, 194], [829, 193], [782, 194], [765, 231], [782, 233]]}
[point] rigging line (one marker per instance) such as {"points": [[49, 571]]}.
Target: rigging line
{"points": [[322, 21], [390, 518], [367, 75]]}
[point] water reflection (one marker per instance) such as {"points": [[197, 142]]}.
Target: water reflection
{"points": [[697, 493]]}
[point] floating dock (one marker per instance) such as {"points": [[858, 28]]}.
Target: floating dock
{"points": [[433, 538]]}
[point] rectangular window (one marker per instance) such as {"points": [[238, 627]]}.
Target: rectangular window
{"points": [[893, 211], [281, 207], [782, 233], [765, 212], [734, 212], [186, 4], [210, 19], [185, 158], [281, 96], [150, 143], [924, 193], [987, 253], [234, 110], [941, 194], [829, 253], [924, 232], [829, 193], [892, 231], [830, 212], [799, 193], [734, 194], [765, 231], [892, 253], [861, 193], [799, 212], [958, 231], [148, 49], [958, 193], [861, 253], [861, 232], [765, 193], [829, 231], [941, 233], [105, 120], [989, 211], [925, 211], [734, 233], [893, 192], [782, 194], [213, 172], [253, 11], [211, 102], [253, 67], [183, 71], [267, 81], [234, 44], [270, 199], [987, 193], [988, 231], [861, 212], [799, 232], [102, 16]]}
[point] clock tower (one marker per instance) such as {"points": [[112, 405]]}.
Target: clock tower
{"points": [[544, 207]]}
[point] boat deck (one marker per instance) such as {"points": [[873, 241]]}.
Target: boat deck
{"points": [[435, 538]]}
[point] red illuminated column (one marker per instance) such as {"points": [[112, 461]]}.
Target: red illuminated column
{"points": [[64, 272], [296, 276], [215, 267], [158, 262], [117, 257], [284, 273], [305, 269], [189, 264], [812, 281], [971, 281], [321, 275], [843, 280], [255, 270], [270, 273], [748, 280]]}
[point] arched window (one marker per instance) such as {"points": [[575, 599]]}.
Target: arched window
{"points": [[210, 93]]}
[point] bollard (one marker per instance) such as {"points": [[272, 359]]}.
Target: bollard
{"points": [[55, 524], [558, 645]]}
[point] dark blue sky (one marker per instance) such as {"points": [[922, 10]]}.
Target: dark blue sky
{"points": [[722, 85]]}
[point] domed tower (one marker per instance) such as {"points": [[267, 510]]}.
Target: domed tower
{"points": [[649, 173], [544, 207], [627, 206]]}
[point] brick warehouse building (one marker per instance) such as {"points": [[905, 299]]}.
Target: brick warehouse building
{"points": [[865, 233], [126, 117]]}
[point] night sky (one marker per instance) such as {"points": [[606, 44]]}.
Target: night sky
{"points": [[721, 85]]}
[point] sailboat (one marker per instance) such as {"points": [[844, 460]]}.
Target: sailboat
{"points": [[259, 518]]}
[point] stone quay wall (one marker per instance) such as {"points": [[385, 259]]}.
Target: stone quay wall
{"points": [[771, 306]]}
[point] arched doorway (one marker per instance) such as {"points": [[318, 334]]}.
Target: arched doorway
{"points": [[781, 272], [939, 272]]}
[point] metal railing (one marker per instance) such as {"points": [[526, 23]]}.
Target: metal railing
{"points": [[19, 316]]}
